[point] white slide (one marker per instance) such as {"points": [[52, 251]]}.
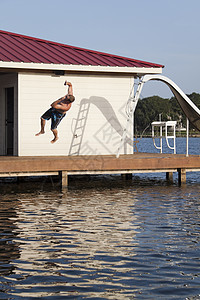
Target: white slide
{"points": [[189, 108]]}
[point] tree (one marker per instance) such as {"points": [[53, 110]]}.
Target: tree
{"points": [[149, 109]]}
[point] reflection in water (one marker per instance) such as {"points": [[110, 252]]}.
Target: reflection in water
{"points": [[8, 247], [129, 242]]}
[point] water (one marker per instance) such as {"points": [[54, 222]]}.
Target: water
{"points": [[104, 238], [146, 145]]}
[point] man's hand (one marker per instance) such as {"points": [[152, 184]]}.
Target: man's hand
{"points": [[67, 83]]}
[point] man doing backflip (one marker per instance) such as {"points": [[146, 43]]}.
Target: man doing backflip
{"points": [[57, 112]]}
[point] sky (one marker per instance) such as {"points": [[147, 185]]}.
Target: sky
{"points": [[159, 31]]}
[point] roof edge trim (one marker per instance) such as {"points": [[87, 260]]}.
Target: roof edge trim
{"points": [[36, 66]]}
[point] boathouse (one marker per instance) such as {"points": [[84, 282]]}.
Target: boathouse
{"points": [[32, 75], [96, 136]]}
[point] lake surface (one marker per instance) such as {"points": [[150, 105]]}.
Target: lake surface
{"points": [[104, 238]]}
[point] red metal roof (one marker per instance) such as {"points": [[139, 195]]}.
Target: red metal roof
{"points": [[19, 48]]}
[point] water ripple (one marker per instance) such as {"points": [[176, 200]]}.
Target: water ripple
{"points": [[111, 243]]}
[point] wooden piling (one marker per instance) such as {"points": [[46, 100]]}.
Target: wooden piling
{"points": [[181, 176], [64, 179], [169, 177]]}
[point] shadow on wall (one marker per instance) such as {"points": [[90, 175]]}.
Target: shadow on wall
{"points": [[109, 133]]}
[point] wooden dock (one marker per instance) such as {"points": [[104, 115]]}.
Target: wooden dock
{"points": [[12, 166]]}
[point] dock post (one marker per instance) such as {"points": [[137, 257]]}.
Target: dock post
{"points": [[181, 176], [20, 179], [64, 179], [127, 176], [169, 176]]}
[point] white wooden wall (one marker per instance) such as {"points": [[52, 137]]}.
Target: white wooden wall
{"points": [[104, 99]]}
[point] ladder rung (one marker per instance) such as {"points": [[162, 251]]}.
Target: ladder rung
{"points": [[77, 135], [83, 110], [80, 119], [76, 145]]}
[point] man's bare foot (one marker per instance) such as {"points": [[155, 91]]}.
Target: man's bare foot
{"points": [[41, 132], [54, 140]]}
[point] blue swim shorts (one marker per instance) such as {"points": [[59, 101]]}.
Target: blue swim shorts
{"points": [[55, 117]]}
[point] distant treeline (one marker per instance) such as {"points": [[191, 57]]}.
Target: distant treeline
{"points": [[150, 109]]}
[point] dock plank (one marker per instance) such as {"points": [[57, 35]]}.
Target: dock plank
{"points": [[137, 161]]}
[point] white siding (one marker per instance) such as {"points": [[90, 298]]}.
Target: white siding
{"points": [[104, 98]]}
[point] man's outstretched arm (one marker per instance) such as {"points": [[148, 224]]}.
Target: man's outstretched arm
{"points": [[59, 101], [70, 89]]}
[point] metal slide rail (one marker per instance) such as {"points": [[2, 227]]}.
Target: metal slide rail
{"points": [[132, 101]]}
